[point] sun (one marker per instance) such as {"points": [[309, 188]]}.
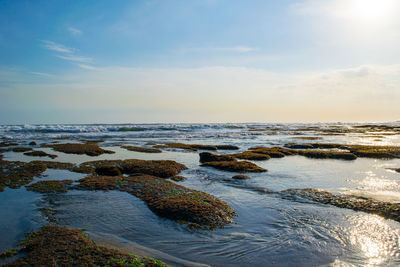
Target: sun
{"points": [[371, 10]]}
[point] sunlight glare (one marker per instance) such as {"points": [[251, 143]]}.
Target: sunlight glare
{"points": [[371, 10]]}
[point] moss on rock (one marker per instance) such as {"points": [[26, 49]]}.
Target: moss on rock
{"points": [[90, 149], [61, 246], [167, 199], [251, 155], [159, 168], [207, 157], [39, 153], [51, 186], [142, 149], [387, 210], [234, 166], [14, 174]]}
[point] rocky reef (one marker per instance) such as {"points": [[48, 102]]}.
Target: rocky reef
{"points": [[61, 246], [90, 149]]}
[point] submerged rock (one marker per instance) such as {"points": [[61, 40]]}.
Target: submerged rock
{"points": [[195, 147], [21, 149], [167, 199], [89, 149], [61, 246], [142, 149], [240, 177], [52, 186], [234, 166], [385, 209], [207, 157]]}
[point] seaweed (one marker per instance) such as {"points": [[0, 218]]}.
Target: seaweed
{"points": [[227, 147], [327, 155], [251, 155], [61, 246], [167, 199], [80, 149], [51, 186], [14, 174], [159, 168], [8, 143], [142, 149], [39, 153], [234, 166], [207, 157], [21, 149], [240, 177], [195, 147], [108, 170], [387, 210]]}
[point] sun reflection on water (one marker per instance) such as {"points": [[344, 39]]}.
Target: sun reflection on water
{"points": [[376, 239]]}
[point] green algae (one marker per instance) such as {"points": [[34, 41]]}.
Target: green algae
{"points": [[251, 155], [196, 147], [159, 168], [51, 186], [167, 199], [39, 153], [14, 174], [387, 210], [61, 246], [90, 149], [234, 166], [207, 157], [142, 149]]}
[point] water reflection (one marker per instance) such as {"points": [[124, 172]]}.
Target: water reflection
{"points": [[376, 238]]}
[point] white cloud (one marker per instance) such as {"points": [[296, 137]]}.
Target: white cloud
{"points": [[235, 49], [42, 74], [75, 58], [88, 67], [362, 93], [74, 31], [50, 45]]}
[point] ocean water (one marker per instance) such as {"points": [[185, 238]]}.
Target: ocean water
{"points": [[269, 229]]}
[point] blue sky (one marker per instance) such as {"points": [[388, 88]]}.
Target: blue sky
{"points": [[199, 61]]}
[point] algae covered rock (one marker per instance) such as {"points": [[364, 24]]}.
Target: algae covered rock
{"points": [[387, 210], [108, 170], [14, 174], [159, 168], [167, 199], [234, 166], [241, 177], [207, 157], [251, 155], [52, 186], [142, 149], [89, 149], [39, 153], [61, 246]]}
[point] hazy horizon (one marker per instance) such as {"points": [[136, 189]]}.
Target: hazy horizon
{"points": [[212, 61]]}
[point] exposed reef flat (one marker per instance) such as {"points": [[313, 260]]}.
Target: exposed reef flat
{"points": [[159, 168], [39, 153], [61, 246], [14, 174], [234, 166], [385, 209], [195, 147], [49, 186], [167, 199], [90, 149], [142, 149]]}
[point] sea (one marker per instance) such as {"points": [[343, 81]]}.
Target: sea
{"points": [[269, 230]]}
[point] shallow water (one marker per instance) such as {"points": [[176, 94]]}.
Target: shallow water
{"points": [[269, 230]]}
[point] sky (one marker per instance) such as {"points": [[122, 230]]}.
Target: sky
{"points": [[199, 61]]}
